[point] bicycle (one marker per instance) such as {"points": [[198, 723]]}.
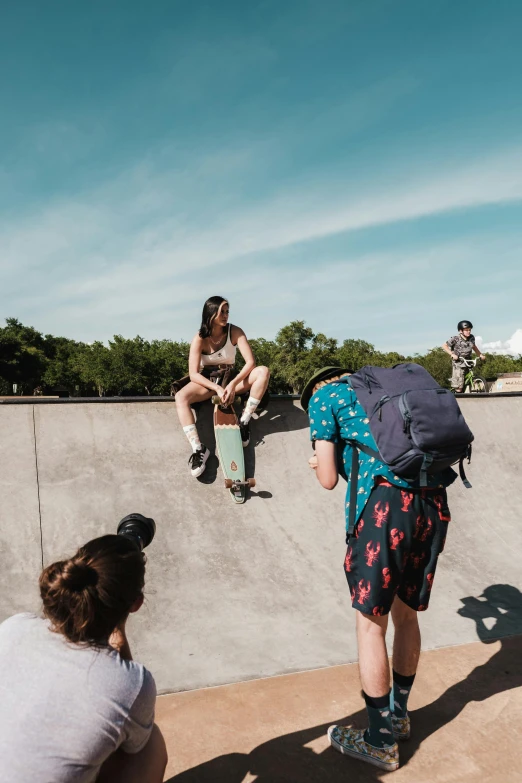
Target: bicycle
{"points": [[473, 384]]}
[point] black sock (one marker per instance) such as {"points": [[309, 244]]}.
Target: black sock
{"points": [[401, 688], [379, 732]]}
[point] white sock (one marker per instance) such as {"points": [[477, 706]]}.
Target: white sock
{"points": [[250, 407], [193, 438]]}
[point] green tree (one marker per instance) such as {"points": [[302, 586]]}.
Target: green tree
{"points": [[167, 361], [28, 336], [263, 350], [438, 364], [22, 359], [354, 354], [292, 345], [61, 369], [264, 353], [496, 364], [321, 353], [130, 371], [93, 365], [135, 366]]}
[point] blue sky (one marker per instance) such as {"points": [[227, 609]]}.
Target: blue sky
{"points": [[354, 164]]}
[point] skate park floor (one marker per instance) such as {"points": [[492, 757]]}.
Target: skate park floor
{"points": [[465, 707]]}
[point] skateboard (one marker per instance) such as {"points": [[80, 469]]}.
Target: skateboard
{"points": [[230, 450]]}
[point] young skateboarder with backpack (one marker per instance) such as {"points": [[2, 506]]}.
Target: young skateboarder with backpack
{"points": [[393, 432]]}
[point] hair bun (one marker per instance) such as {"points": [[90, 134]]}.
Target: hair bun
{"points": [[77, 576]]}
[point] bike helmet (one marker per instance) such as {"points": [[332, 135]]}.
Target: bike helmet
{"points": [[464, 325]]}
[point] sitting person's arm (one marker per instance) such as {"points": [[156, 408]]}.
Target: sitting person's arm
{"points": [[138, 726], [143, 753], [194, 366], [246, 352]]}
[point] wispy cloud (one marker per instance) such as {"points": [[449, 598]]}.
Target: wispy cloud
{"points": [[147, 241]]}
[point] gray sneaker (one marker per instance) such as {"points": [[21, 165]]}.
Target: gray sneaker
{"points": [[351, 742], [401, 727]]}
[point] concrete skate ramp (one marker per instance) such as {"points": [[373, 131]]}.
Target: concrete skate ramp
{"points": [[238, 592]]}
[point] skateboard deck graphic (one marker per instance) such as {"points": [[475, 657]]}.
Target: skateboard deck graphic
{"points": [[230, 451]]}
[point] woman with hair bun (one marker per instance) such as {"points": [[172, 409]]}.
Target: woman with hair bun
{"points": [[74, 706], [212, 353]]}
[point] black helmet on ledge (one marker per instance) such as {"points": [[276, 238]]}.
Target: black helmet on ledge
{"points": [[464, 325]]}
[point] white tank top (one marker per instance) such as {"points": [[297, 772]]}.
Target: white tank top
{"points": [[225, 355]]}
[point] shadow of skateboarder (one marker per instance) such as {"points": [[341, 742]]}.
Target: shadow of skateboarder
{"points": [[286, 759]]}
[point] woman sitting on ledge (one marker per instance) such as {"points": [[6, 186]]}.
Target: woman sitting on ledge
{"points": [[212, 357]]}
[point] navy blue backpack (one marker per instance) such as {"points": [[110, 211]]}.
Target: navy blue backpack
{"points": [[417, 425]]}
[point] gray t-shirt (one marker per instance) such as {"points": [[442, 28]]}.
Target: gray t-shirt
{"points": [[461, 346], [65, 708]]}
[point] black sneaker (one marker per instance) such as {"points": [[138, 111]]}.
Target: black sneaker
{"points": [[198, 461], [245, 433]]}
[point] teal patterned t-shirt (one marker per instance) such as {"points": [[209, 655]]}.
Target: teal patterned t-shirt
{"points": [[336, 415]]}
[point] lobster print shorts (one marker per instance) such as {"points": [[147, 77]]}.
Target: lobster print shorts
{"points": [[395, 548]]}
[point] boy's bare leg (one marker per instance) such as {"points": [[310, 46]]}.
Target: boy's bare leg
{"points": [[374, 669], [406, 652], [407, 640], [376, 744]]}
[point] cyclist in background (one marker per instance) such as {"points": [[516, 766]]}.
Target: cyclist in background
{"points": [[461, 347]]}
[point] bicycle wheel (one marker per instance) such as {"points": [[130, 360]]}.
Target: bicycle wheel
{"points": [[478, 386]]}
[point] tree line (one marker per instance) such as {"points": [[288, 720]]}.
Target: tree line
{"points": [[134, 366]]}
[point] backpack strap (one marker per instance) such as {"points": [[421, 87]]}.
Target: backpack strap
{"points": [[353, 490], [354, 473], [423, 473], [367, 450], [462, 472]]}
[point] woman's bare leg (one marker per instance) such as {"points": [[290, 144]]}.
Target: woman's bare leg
{"points": [[147, 766], [191, 393], [187, 396], [256, 383]]}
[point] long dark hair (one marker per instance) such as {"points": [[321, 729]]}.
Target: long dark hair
{"points": [[210, 309], [87, 596]]}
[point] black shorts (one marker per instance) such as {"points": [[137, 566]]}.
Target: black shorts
{"points": [[216, 373], [395, 549], [211, 371]]}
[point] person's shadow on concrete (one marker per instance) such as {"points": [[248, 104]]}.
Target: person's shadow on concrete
{"points": [[280, 416], [287, 760]]}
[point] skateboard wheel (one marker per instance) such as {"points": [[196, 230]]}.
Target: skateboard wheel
{"points": [[251, 483], [215, 400], [229, 483]]}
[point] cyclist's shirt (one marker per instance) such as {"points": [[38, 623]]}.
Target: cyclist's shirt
{"points": [[462, 347]]}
